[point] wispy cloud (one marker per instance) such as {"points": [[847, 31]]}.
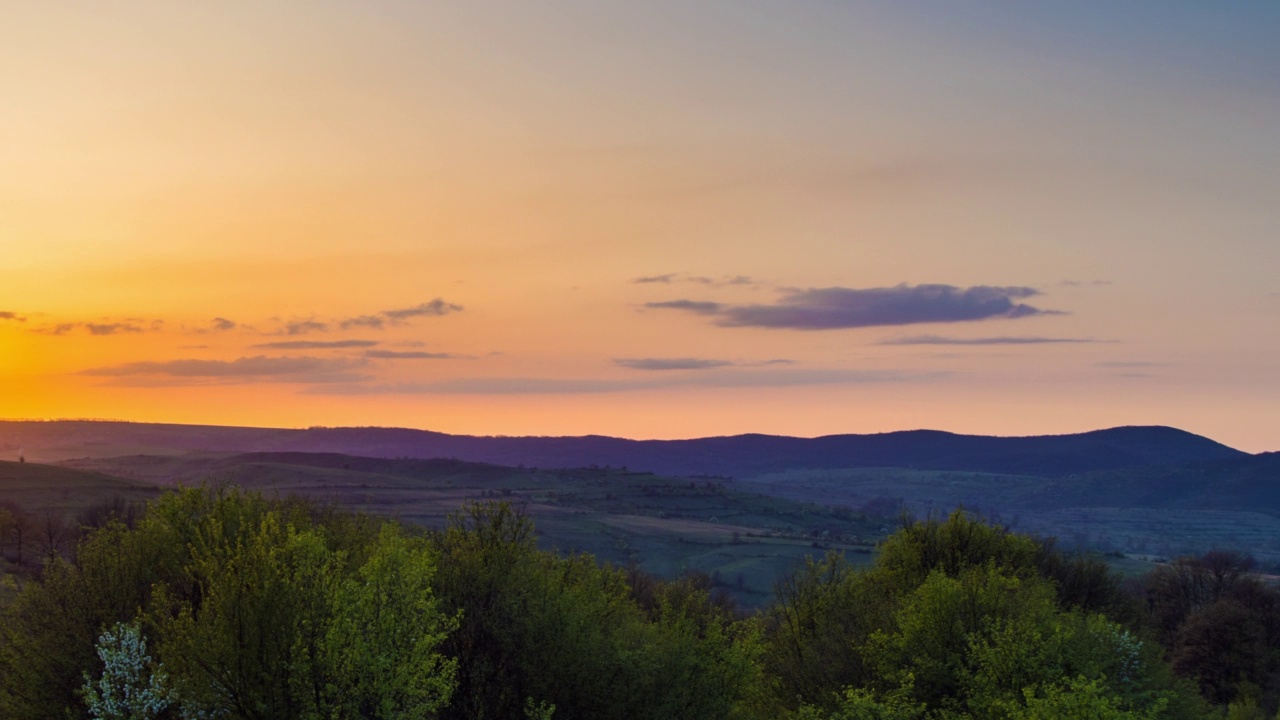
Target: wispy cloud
{"points": [[840, 308], [302, 327], [1084, 283], [578, 386], [670, 363], [668, 278], [9, 315], [413, 355], [1121, 364], [222, 324], [665, 279], [940, 340], [246, 369], [694, 306], [434, 308], [112, 328], [101, 328], [316, 344], [377, 321], [374, 322]]}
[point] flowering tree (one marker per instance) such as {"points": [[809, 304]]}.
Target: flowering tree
{"points": [[131, 687]]}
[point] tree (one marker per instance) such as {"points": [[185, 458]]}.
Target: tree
{"points": [[382, 646], [132, 686]]}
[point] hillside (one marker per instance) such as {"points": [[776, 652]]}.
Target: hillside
{"points": [[736, 456], [1153, 490], [37, 487], [744, 540]]}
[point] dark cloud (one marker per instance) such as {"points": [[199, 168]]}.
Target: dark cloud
{"points": [[839, 308], [670, 363], [8, 315], [223, 324], [302, 327], [412, 355], [367, 321], [316, 344], [940, 340], [246, 369], [695, 306], [428, 309]]}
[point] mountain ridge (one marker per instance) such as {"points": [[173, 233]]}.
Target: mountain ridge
{"points": [[727, 455]]}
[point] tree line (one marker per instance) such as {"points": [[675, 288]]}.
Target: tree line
{"points": [[218, 603]]}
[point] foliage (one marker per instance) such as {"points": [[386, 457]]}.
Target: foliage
{"points": [[256, 612], [132, 686], [568, 632], [960, 619], [257, 608]]}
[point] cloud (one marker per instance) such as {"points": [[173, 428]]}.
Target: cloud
{"points": [[670, 363], [840, 308], [302, 327], [413, 355], [579, 386], [668, 278], [1084, 283], [694, 306], [246, 369], [223, 324], [378, 321], [436, 307], [100, 329], [368, 321], [940, 340], [1130, 364], [111, 328], [8, 315], [316, 344]]}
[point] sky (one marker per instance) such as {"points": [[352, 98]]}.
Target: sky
{"points": [[647, 219]]}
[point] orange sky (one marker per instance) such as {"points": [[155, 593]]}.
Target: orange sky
{"points": [[642, 219]]}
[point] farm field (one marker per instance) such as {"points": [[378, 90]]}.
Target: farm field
{"points": [[742, 540]]}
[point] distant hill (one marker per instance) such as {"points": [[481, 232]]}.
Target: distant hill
{"points": [[1249, 483], [44, 487], [737, 456]]}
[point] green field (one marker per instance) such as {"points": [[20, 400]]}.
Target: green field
{"points": [[1133, 518], [743, 540]]}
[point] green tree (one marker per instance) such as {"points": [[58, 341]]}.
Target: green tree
{"points": [[382, 645]]}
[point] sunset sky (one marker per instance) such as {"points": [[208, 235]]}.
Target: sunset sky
{"points": [[646, 219]]}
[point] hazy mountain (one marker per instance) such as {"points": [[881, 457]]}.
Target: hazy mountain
{"points": [[739, 455]]}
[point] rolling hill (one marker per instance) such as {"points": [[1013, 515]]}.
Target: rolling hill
{"points": [[736, 456]]}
